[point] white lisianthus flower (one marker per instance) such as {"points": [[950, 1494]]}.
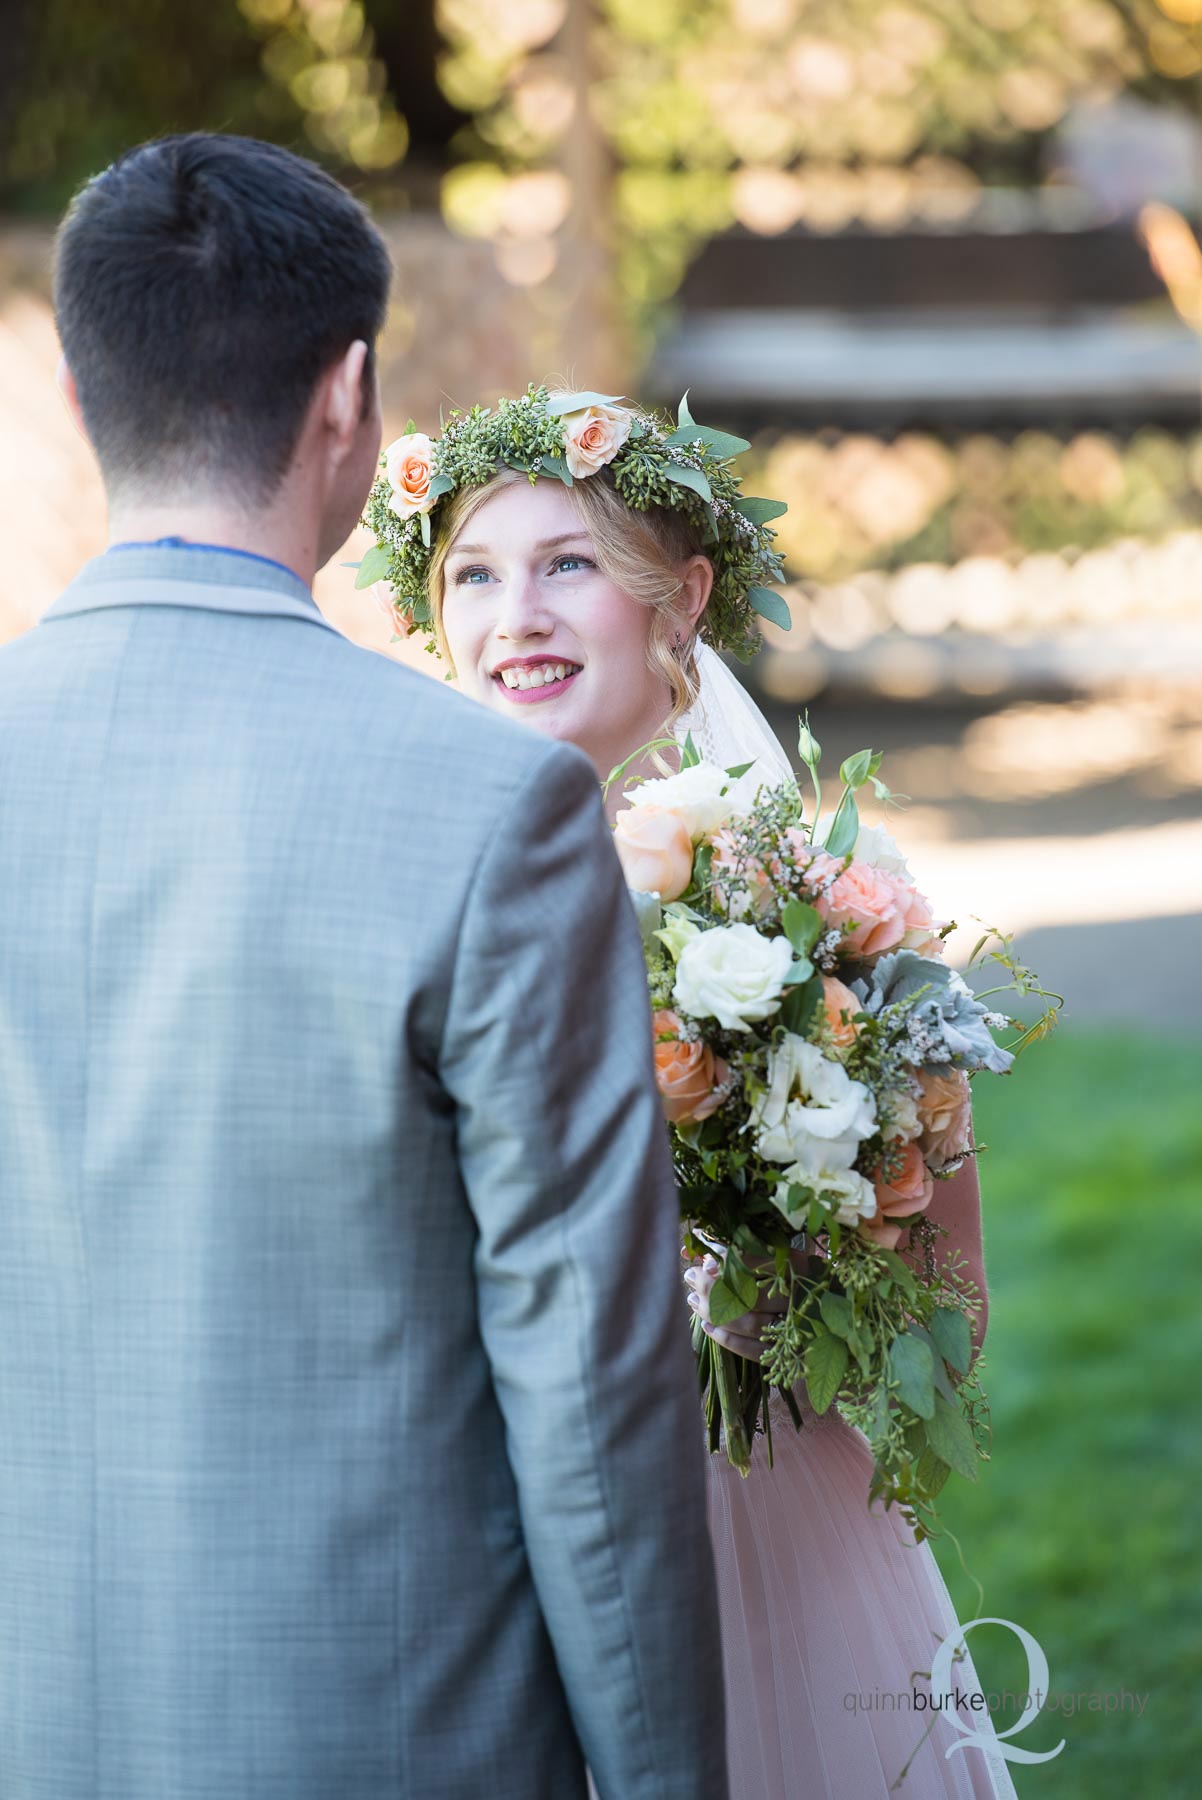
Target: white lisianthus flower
{"points": [[732, 974], [852, 1195], [902, 1107], [694, 795], [813, 1113], [875, 846]]}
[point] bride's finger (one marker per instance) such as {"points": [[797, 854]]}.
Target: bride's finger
{"points": [[751, 1348]]}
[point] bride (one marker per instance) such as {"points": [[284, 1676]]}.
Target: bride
{"points": [[575, 614]]}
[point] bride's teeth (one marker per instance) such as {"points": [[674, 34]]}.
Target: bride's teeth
{"points": [[542, 676]]}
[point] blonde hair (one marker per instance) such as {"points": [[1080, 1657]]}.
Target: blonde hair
{"points": [[641, 552]]}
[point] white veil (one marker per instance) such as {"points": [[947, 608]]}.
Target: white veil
{"points": [[728, 727]]}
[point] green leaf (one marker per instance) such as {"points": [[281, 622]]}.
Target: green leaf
{"points": [[683, 415], [562, 404], [837, 1314], [374, 566], [740, 1278], [913, 1368], [426, 529], [720, 444], [800, 1004], [771, 605], [683, 476], [845, 827], [440, 485], [950, 1437], [760, 511], [953, 1335], [557, 466], [740, 769], [856, 770], [802, 924], [799, 971], [931, 1472], [825, 1366], [690, 756]]}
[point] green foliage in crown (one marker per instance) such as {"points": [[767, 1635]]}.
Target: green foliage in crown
{"points": [[684, 468]]}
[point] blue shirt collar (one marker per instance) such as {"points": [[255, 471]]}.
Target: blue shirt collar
{"points": [[199, 562]]}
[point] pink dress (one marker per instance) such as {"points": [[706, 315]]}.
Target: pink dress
{"points": [[828, 1611]]}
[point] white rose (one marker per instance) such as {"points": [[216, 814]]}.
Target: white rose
{"points": [[694, 795], [592, 437], [813, 1112], [874, 845], [732, 974], [853, 1195]]}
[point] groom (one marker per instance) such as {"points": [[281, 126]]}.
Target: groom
{"points": [[348, 1441]]}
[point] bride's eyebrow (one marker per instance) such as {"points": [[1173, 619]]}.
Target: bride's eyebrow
{"points": [[567, 537]]}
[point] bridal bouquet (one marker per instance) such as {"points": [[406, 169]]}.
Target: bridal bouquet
{"points": [[813, 1052]]}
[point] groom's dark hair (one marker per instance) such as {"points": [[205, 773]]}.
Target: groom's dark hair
{"points": [[203, 284]]}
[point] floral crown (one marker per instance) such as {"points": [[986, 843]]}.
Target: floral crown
{"points": [[571, 437]]}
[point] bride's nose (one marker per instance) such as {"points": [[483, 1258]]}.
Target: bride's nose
{"points": [[522, 611]]}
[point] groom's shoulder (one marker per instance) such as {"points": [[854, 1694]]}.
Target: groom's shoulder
{"points": [[423, 722]]}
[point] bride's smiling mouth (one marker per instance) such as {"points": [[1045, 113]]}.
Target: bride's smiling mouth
{"points": [[530, 679]]}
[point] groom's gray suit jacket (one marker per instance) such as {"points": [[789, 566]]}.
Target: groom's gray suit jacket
{"points": [[348, 1440]]}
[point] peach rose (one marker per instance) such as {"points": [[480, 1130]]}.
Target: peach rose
{"points": [[691, 1079], [655, 850], [841, 1006], [922, 928], [408, 467], [945, 1113], [592, 437], [384, 597], [867, 899], [909, 1192]]}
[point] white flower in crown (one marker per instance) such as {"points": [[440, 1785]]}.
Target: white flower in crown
{"points": [[409, 469], [592, 437]]}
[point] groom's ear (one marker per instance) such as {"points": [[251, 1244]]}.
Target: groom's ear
{"points": [[345, 388], [66, 387]]}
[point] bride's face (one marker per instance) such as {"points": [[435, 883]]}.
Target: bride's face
{"points": [[538, 632]]}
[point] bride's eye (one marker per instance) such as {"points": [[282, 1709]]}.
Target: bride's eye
{"points": [[467, 577], [570, 563]]}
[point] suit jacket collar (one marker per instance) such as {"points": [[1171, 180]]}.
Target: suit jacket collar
{"points": [[191, 575]]}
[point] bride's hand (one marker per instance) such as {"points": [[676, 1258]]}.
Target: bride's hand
{"points": [[743, 1336]]}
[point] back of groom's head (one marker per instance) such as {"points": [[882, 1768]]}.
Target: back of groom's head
{"points": [[203, 285]]}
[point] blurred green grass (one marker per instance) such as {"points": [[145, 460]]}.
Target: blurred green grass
{"points": [[1084, 1528]]}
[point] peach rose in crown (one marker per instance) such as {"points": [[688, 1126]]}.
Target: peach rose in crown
{"points": [[841, 1007], [692, 1081], [655, 850], [592, 437], [408, 469], [909, 1192], [945, 1114]]}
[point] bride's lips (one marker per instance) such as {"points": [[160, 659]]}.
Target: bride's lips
{"points": [[526, 696]]}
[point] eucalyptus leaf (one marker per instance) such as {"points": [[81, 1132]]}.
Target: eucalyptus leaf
{"points": [[837, 1314], [950, 1437], [825, 1366], [913, 1368], [426, 529], [720, 444], [440, 485], [758, 510], [802, 924], [800, 970], [682, 476], [561, 404], [953, 1335], [557, 467], [683, 415], [771, 605], [374, 566]]}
